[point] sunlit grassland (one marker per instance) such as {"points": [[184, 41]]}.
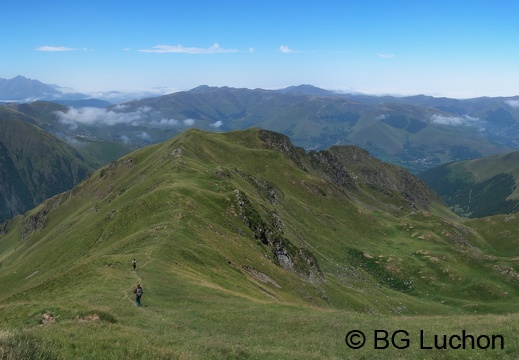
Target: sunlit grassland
{"points": [[213, 289], [221, 327]]}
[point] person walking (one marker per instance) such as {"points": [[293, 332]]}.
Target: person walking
{"points": [[138, 293], [134, 263]]}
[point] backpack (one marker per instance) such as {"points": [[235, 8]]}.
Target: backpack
{"points": [[138, 291]]}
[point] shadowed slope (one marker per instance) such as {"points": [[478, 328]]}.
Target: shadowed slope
{"points": [[35, 164]]}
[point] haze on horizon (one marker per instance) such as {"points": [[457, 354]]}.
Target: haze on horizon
{"points": [[456, 49]]}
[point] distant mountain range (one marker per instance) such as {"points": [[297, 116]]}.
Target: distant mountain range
{"points": [[21, 89], [417, 132]]}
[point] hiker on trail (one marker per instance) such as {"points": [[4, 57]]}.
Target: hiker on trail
{"points": [[138, 293], [134, 263]]}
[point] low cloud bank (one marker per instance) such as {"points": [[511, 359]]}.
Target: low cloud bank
{"points": [[464, 120], [143, 116], [216, 124], [512, 103]]}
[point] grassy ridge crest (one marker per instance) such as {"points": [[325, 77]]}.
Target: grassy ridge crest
{"points": [[242, 239]]}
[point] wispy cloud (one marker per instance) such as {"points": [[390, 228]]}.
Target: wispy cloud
{"points": [[144, 136], [512, 103], [464, 120], [163, 122], [286, 50], [142, 116], [216, 124], [96, 116], [213, 49], [58, 48], [386, 56]]}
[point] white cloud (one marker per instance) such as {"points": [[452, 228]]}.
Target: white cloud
{"points": [[251, 50], [54, 48], [213, 49], [58, 48], [464, 120], [120, 97], [96, 116], [286, 50], [163, 123], [142, 116], [216, 124], [144, 135], [386, 56], [512, 103]]}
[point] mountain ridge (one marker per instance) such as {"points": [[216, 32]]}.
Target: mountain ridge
{"points": [[245, 229], [401, 130], [21, 88], [254, 205]]}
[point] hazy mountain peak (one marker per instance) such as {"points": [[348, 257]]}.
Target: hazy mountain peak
{"points": [[22, 88], [203, 88], [306, 89]]}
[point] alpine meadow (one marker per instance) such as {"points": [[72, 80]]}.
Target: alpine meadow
{"points": [[259, 180], [250, 247]]}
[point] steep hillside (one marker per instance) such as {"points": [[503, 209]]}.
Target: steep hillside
{"points": [[479, 187], [35, 165], [97, 147], [385, 181], [99, 134], [242, 239]]}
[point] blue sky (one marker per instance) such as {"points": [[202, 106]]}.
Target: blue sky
{"points": [[442, 48]]}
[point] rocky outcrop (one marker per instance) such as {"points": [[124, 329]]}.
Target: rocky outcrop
{"points": [[385, 178], [33, 223], [286, 254], [264, 187], [329, 164], [280, 142]]}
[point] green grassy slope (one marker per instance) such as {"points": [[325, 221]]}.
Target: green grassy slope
{"points": [[247, 248], [96, 145], [35, 165], [479, 187]]}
